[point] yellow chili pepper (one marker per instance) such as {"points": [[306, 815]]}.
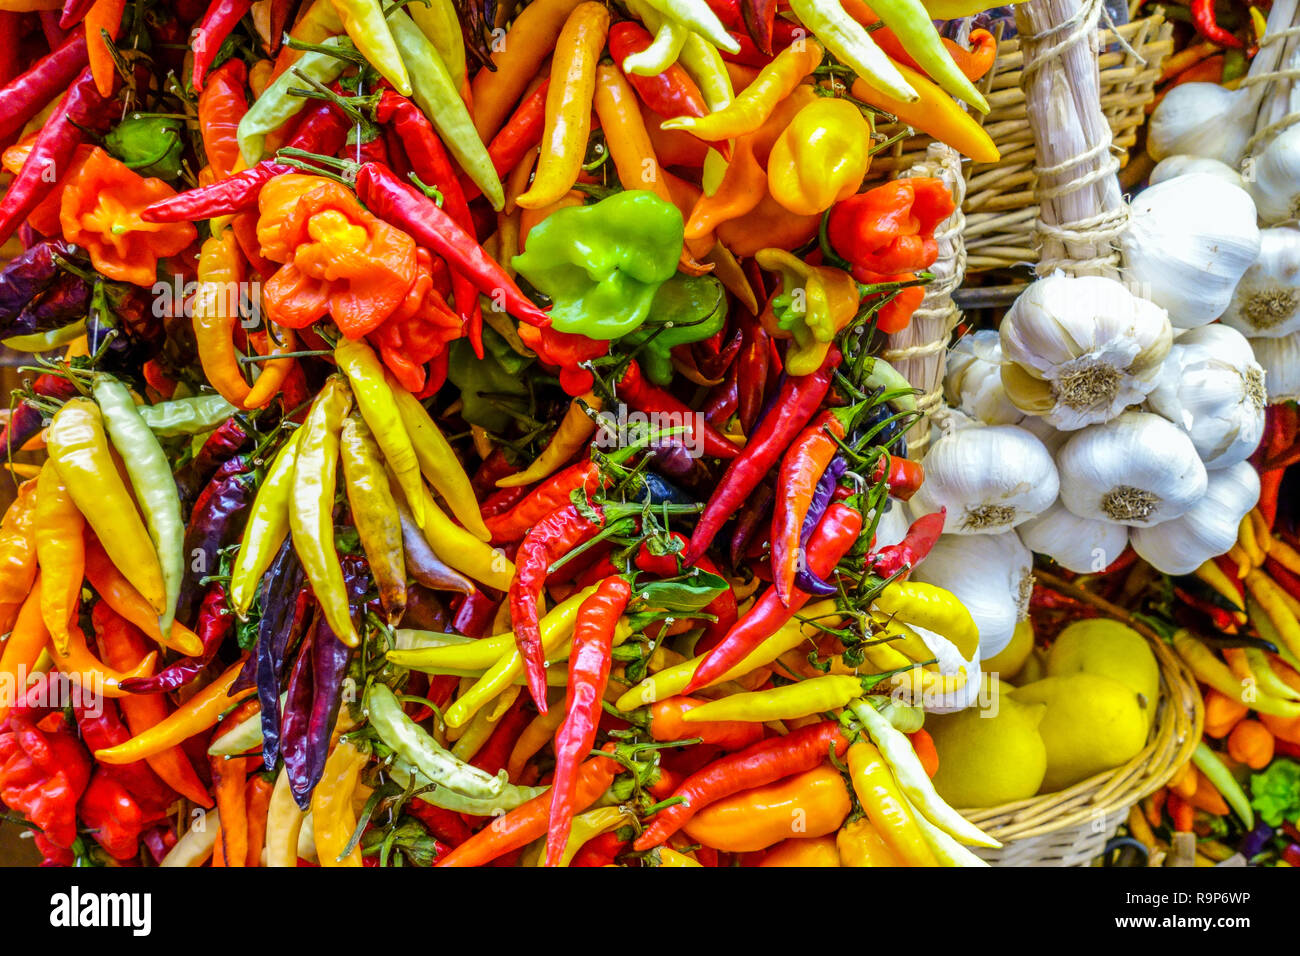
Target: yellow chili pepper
{"points": [[788, 702], [1285, 555], [484, 722], [568, 104], [271, 375], [536, 735], [333, 818], [670, 857], [860, 844], [1246, 538], [311, 506], [266, 528], [463, 551], [216, 310], [79, 449], [918, 684], [755, 103], [374, 513], [935, 113], [852, 44], [945, 849], [821, 158], [18, 556], [1269, 596], [283, 824], [439, 463], [574, 430], [24, 646], [932, 608], [60, 548], [673, 680], [885, 806], [1213, 672], [439, 22], [365, 23], [1210, 573], [662, 53], [483, 653]]}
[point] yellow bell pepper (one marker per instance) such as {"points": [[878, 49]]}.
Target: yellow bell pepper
{"points": [[821, 158]]}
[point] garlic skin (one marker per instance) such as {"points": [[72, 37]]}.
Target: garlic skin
{"points": [[893, 524], [1139, 469], [989, 477], [1275, 184], [1212, 386], [1208, 529], [1266, 302], [1078, 350], [1172, 167], [1078, 544], [991, 574], [1280, 359], [1203, 119], [973, 381], [1186, 259]]}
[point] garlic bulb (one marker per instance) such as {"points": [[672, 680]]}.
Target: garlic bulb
{"points": [[1139, 469], [1275, 185], [1052, 438], [1080, 349], [989, 477], [1266, 303], [1187, 261], [892, 525], [974, 379], [992, 574], [1203, 119], [1208, 529], [1173, 166], [1212, 386], [1078, 544], [1280, 359]]}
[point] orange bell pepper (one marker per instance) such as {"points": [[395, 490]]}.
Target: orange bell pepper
{"points": [[100, 210], [1222, 713], [1251, 743]]}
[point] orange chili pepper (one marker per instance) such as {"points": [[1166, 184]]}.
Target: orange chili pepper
{"points": [[229, 779], [1251, 743], [1207, 798], [117, 592], [103, 16], [1222, 713], [123, 647], [58, 532], [22, 649], [18, 561], [273, 374], [926, 752], [221, 270], [258, 794]]}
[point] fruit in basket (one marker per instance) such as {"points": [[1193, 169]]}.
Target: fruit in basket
{"points": [[989, 756], [1108, 649], [1009, 661], [1092, 724]]}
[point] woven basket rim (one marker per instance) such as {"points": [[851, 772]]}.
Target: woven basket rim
{"points": [[1175, 732]]}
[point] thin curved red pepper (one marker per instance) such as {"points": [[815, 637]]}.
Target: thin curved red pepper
{"points": [[671, 93], [431, 163], [589, 663], [651, 399], [521, 133], [798, 400], [26, 94], [801, 469], [1206, 22], [550, 539], [908, 553], [551, 494], [834, 536], [409, 209], [218, 23], [765, 762]]}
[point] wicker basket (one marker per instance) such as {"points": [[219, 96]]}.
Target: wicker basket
{"points": [[1071, 827], [1000, 209]]}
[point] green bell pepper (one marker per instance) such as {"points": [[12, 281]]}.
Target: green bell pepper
{"points": [[602, 264], [492, 389], [685, 309]]}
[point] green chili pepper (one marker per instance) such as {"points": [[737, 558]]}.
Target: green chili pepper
{"points": [[374, 513], [685, 309], [912, 26], [276, 106], [151, 479], [1221, 778], [186, 416], [311, 505], [266, 528], [510, 796], [602, 264], [149, 143], [46, 341], [410, 742], [436, 94]]}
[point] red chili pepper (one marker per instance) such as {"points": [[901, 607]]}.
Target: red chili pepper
{"points": [[666, 723], [902, 477], [550, 495], [589, 662], [475, 614], [431, 163], [834, 536], [564, 351], [495, 753], [83, 110], [798, 399], [550, 539], [102, 727], [445, 825], [42, 775], [724, 400], [407, 208], [322, 129], [801, 469], [74, 11], [1221, 618], [651, 399], [890, 229], [27, 94], [671, 93], [218, 23], [602, 850], [1206, 22], [113, 817], [916, 544], [765, 762], [1285, 577], [215, 623], [521, 133]]}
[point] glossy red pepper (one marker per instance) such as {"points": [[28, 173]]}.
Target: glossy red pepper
{"points": [[218, 23], [908, 553], [28, 93], [801, 469], [641, 395]]}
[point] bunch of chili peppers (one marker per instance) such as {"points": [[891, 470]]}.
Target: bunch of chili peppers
{"points": [[460, 452]]}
